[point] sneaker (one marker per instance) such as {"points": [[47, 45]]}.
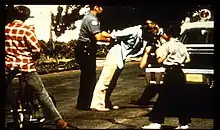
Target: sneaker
{"points": [[108, 104], [182, 127], [115, 107], [100, 108], [152, 126]]}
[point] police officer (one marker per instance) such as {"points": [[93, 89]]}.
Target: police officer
{"points": [[86, 54], [173, 54]]}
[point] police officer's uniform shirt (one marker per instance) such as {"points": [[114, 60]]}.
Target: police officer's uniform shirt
{"points": [[130, 43], [173, 51], [89, 27]]}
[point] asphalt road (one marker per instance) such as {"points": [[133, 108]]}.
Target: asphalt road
{"points": [[64, 87]]}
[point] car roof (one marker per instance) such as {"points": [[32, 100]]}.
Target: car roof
{"points": [[200, 24]]}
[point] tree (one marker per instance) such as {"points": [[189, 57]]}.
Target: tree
{"points": [[61, 23]]}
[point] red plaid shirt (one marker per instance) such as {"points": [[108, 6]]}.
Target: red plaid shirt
{"points": [[17, 54]]}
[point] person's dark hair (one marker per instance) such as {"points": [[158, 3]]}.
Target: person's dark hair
{"points": [[173, 31], [21, 13], [145, 27], [93, 6], [146, 32], [150, 22]]}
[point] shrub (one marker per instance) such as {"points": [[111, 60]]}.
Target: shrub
{"points": [[102, 50], [63, 51], [45, 68]]}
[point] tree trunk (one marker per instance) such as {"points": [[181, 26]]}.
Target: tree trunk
{"points": [[56, 56]]}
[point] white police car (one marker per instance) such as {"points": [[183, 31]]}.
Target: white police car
{"points": [[198, 36]]}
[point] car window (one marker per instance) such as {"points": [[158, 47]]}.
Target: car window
{"points": [[198, 36]]}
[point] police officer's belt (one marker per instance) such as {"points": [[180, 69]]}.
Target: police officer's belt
{"points": [[85, 43], [170, 67]]}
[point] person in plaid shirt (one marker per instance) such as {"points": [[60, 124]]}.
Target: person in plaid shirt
{"points": [[22, 49]]}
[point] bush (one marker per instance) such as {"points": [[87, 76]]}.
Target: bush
{"points": [[102, 50], [71, 65], [63, 51], [45, 68]]}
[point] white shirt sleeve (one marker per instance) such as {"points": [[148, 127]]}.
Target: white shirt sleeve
{"points": [[162, 51], [125, 32]]}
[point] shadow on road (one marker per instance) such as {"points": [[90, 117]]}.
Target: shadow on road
{"points": [[200, 101], [113, 121]]}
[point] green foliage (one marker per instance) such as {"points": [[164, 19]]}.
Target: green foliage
{"points": [[102, 51], [66, 50], [44, 67], [62, 49], [61, 22], [47, 48]]}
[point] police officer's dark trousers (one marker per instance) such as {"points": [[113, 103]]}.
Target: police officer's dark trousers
{"points": [[172, 97], [86, 57]]}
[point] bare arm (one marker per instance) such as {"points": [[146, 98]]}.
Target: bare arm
{"points": [[106, 34], [103, 36], [160, 60], [143, 62], [164, 36], [161, 53]]}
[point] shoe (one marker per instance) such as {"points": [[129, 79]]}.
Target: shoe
{"points": [[115, 107], [111, 107], [182, 127], [100, 108], [60, 123], [108, 104], [152, 126], [149, 109]]}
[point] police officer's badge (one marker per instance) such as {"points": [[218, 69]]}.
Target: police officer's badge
{"points": [[94, 22]]}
